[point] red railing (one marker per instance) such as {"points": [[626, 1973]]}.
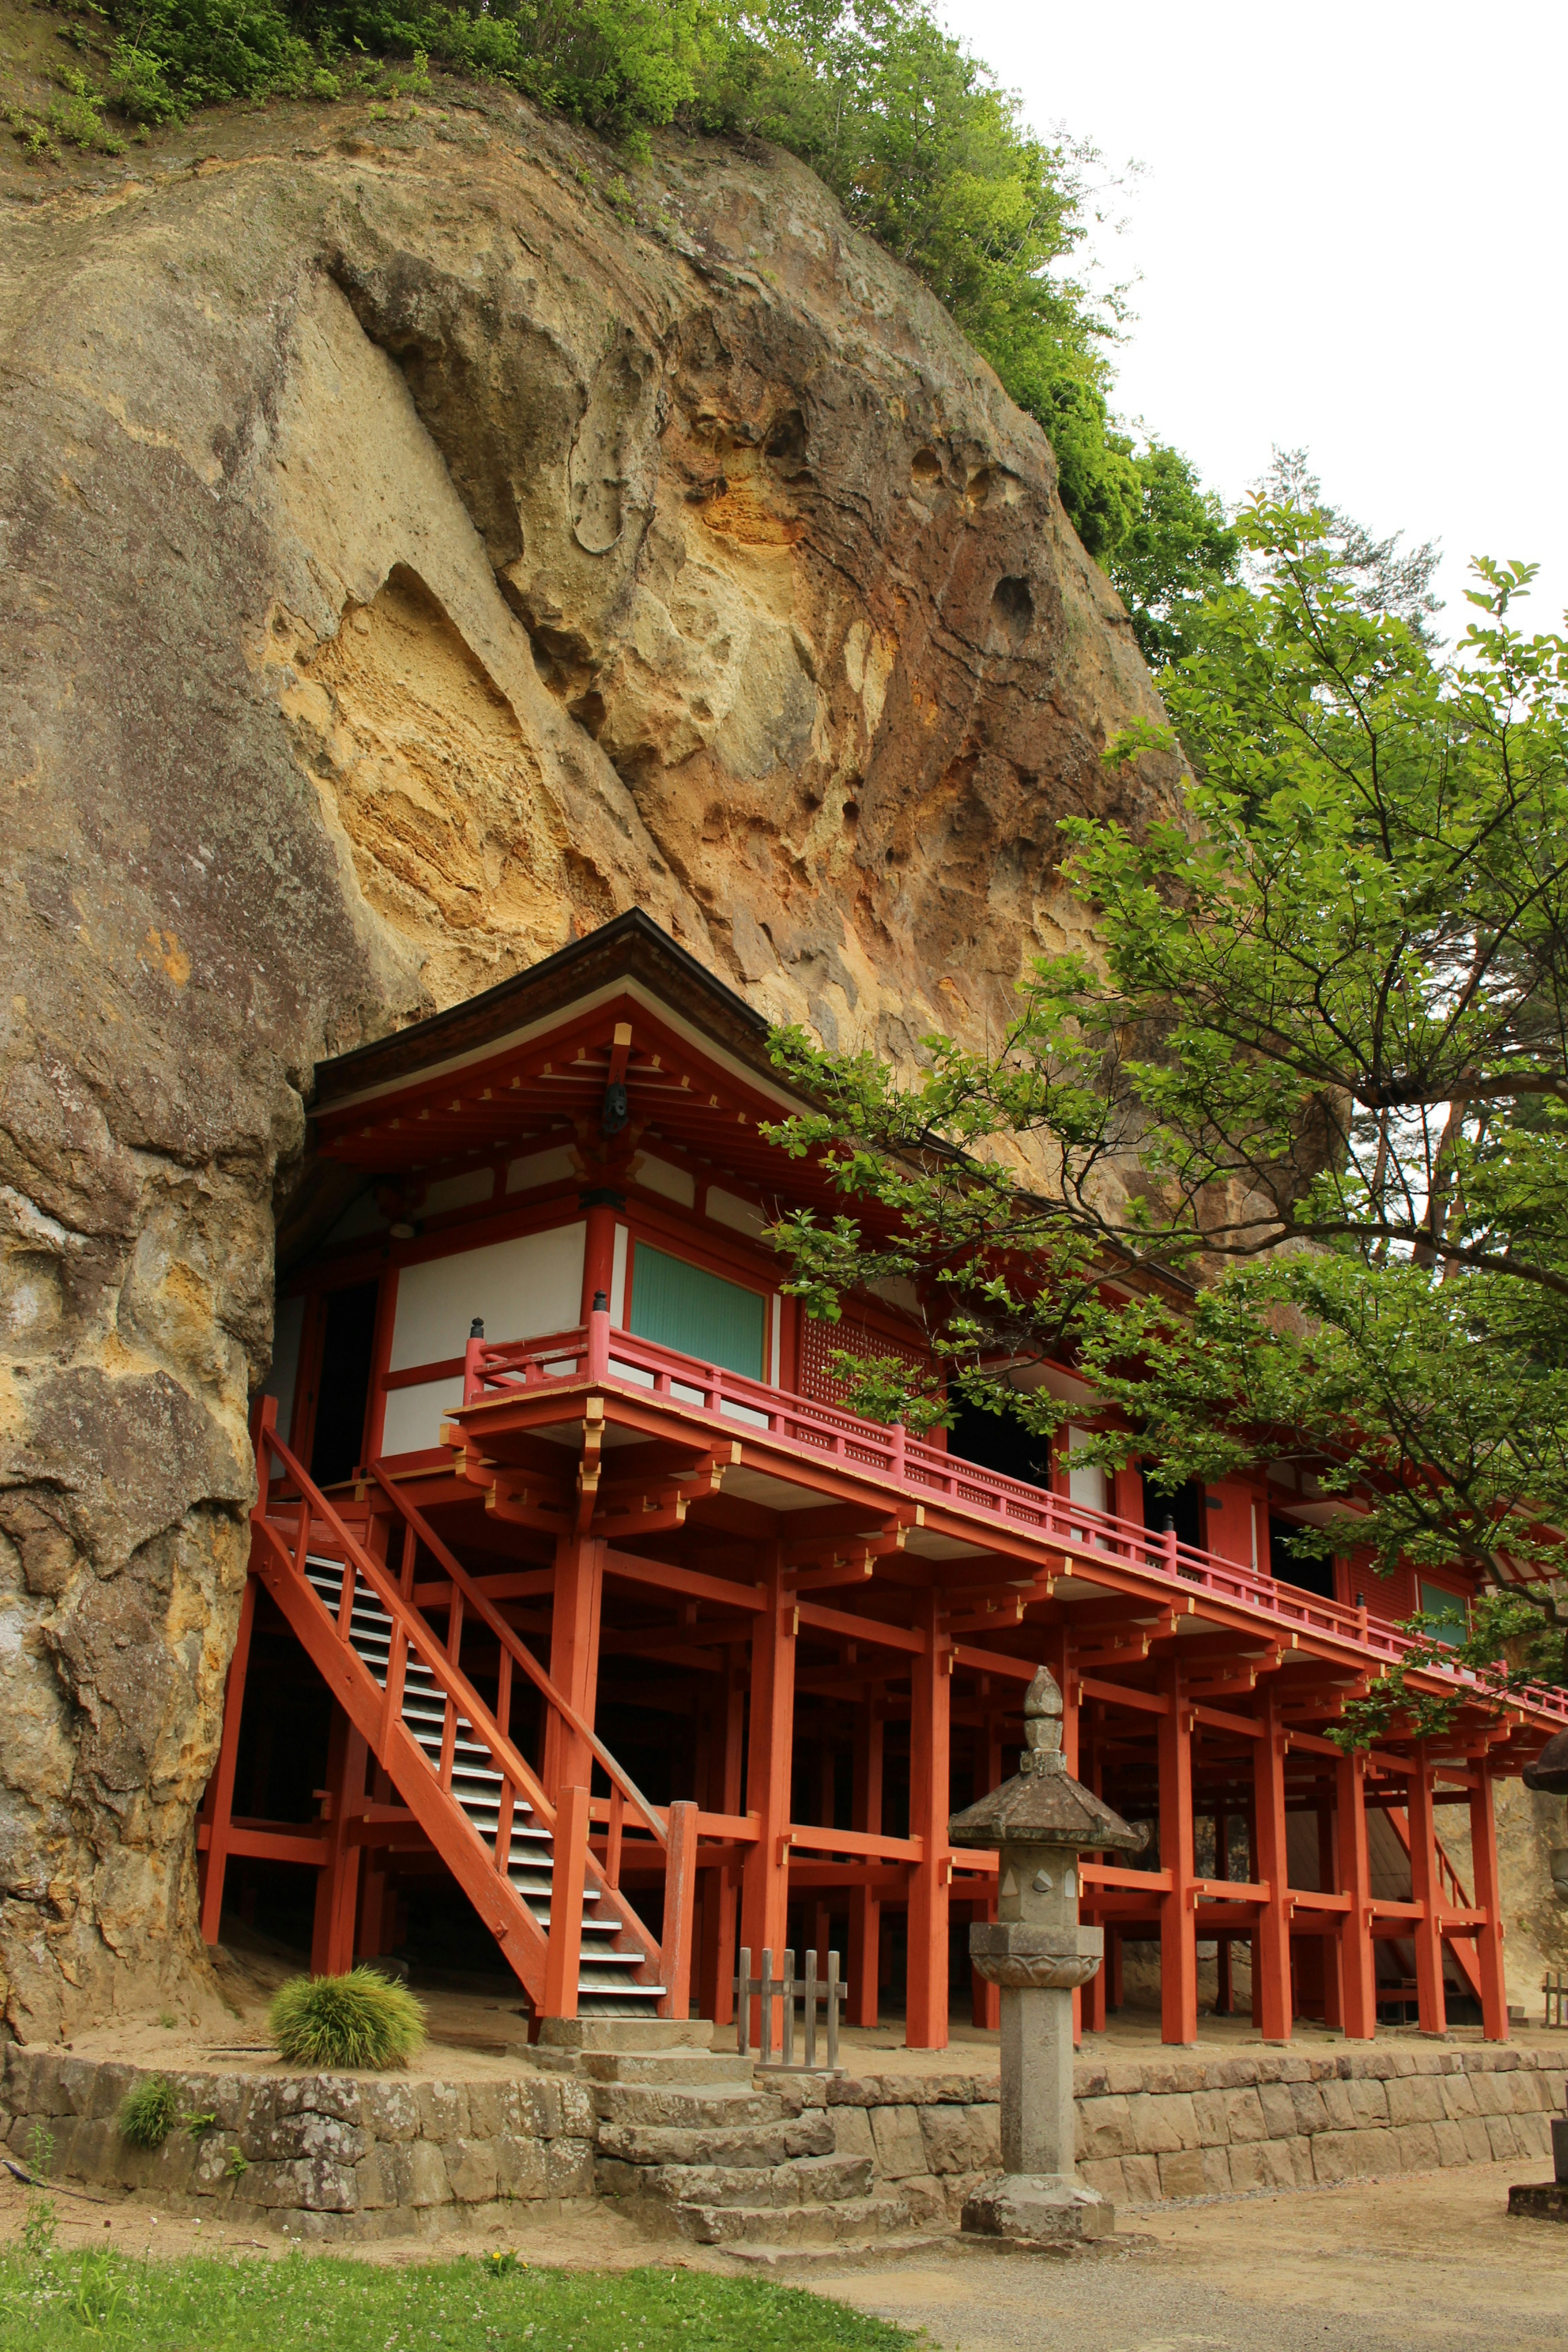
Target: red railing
{"points": [[925, 1472]]}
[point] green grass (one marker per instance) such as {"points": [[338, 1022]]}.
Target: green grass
{"points": [[306, 2303], [361, 2019], [149, 2112]]}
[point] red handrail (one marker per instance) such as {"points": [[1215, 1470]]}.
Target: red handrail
{"points": [[494, 1370], [474, 1596]]}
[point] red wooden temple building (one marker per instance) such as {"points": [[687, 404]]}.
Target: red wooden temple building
{"points": [[586, 1623]]}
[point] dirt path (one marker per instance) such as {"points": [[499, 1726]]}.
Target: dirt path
{"points": [[1410, 2265]]}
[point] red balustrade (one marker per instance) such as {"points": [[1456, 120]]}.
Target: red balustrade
{"points": [[926, 1473]]}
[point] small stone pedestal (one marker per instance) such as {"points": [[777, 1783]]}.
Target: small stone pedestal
{"points": [[1038, 1955]]}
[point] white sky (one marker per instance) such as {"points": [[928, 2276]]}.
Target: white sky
{"points": [[1350, 236]]}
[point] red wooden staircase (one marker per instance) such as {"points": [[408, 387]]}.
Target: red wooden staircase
{"points": [[526, 1865]]}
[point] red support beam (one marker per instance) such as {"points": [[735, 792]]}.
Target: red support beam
{"points": [[574, 1658], [222, 1813], [1358, 1972], [337, 1888], [1486, 1896], [1271, 2003], [764, 1877], [931, 1692], [864, 1901], [1333, 1957], [680, 1909], [1178, 1920], [1431, 2003], [563, 1959], [985, 1999], [721, 1886]]}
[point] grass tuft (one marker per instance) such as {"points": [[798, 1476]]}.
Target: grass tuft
{"points": [[149, 2112], [358, 2020]]}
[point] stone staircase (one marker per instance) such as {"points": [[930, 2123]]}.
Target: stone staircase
{"points": [[693, 2143]]}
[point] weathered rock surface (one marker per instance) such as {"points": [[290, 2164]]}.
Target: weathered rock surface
{"points": [[410, 560]]}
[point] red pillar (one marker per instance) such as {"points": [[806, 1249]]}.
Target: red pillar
{"points": [[865, 1902], [1178, 1917], [1431, 2004], [598, 1253], [930, 1691], [223, 1778], [1486, 1895], [574, 1658], [1358, 1966], [1271, 2004], [764, 1879], [985, 1999], [721, 1886], [336, 1884], [1095, 1992], [1333, 1945]]}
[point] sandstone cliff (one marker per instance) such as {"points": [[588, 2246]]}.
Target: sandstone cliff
{"points": [[424, 538]]}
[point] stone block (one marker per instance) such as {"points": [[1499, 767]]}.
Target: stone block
{"points": [[375, 2179], [574, 2115], [1162, 2126], [1419, 2148], [1534, 2133], [1106, 2128], [521, 2167], [1311, 2116], [852, 2133], [443, 2111], [1217, 2171], [301, 2185], [1141, 2176], [421, 2175], [1103, 2174], [962, 2139], [1182, 2174], [1492, 2094], [1502, 2132], [1261, 2163], [1416, 2099], [487, 2110], [926, 2199], [471, 2170], [1450, 2143], [900, 2151], [1459, 2097], [1339, 2109], [390, 2110], [1243, 2115], [569, 2168], [1278, 2109], [1367, 2101], [1234, 2074], [338, 2097], [1209, 2116]]}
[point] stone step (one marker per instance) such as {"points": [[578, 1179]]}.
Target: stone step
{"points": [[805, 2180], [669, 2105], [854, 2223], [675, 2037], [708, 2141], [679, 2070]]}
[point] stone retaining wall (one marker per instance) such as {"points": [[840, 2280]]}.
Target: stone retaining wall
{"points": [[344, 2156], [1150, 2129], [327, 2156]]}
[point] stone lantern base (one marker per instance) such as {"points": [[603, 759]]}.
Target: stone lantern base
{"points": [[1037, 2208]]}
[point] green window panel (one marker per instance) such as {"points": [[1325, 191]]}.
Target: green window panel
{"points": [[1448, 1609], [681, 1305]]}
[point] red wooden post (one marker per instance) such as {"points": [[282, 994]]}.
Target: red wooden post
{"points": [[1271, 2003], [721, 1886], [227, 1755], [1178, 1917], [1358, 1962], [598, 1256], [568, 1875], [1431, 2004], [764, 1878], [1333, 1945], [865, 1902], [336, 1884], [985, 1999], [931, 1692], [1486, 1895], [574, 1658], [680, 1902]]}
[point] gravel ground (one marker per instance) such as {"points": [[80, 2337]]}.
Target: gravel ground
{"points": [[1410, 2265]]}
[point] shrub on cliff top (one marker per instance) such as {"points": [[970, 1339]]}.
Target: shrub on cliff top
{"points": [[149, 2112], [358, 2020]]}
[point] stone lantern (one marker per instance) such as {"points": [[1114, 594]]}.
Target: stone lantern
{"points": [[1547, 1776], [1038, 1955]]}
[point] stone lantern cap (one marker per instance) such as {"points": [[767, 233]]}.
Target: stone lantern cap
{"points": [[1549, 1773], [1043, 1804]]}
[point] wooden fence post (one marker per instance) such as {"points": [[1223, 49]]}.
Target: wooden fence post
{"points": [[680, 1909], [568, 1874]]}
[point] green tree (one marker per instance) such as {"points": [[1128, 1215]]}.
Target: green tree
{"points": [[1310, 1094]]}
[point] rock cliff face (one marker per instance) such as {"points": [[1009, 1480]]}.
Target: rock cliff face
{"points": [[419, 546]]}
